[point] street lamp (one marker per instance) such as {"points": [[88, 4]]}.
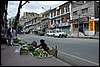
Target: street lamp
{"points": [[43, 8]]}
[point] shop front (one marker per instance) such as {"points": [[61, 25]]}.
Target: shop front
{"points": [[88, 26]]}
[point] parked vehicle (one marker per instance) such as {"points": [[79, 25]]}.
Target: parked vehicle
{"points": [[40, 33], [56, 33], [50, 33], [59, 33]]}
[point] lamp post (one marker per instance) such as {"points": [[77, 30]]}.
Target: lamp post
{"points": [[43, 8]]}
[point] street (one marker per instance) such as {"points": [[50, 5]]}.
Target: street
{"points": [[75, 51]]}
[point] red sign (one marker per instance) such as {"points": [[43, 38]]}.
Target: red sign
{"points": [[91, 26]]}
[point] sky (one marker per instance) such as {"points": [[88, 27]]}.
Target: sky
{"points": [[33, 6]]}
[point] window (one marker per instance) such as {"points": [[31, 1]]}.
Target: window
{"points": [[54, 13], [58, 12], [62, 19], [86, 25], [67, 9], [58, 21], [85, 10], [76, 25], [54, 21], [51, 14], [98, 9], [62, 10], [75, 13], [51, 22]]}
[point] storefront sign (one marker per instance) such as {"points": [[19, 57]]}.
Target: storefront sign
{"points": [[91, 26], [72, 27], [84, 19]]}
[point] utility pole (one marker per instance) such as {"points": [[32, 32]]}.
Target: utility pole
{"points": [[78, 26]]}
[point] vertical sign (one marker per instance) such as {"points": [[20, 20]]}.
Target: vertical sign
{"points": [[91, 25], [72, 27]]}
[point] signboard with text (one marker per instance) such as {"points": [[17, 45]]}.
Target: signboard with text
{"points": [[72, 27], [91, 26]]}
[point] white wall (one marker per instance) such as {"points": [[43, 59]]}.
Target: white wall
{"points": [[89, 33]]}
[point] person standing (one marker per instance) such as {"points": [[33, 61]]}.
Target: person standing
{"points": [[10, 36], [14, 33]]}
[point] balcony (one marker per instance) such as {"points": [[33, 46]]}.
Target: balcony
{"points": [[45, 18], [65, 13]]}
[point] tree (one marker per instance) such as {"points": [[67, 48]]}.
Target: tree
{"points": [[20, 28]]}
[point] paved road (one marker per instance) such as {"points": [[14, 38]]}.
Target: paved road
{"points": [[72, 50]]}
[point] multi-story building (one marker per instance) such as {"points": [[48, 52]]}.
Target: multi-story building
{"points": [[68, 17], [45, 20], [36, 23], [27, 20], [83, 13], [27, 16], [60, 17]]}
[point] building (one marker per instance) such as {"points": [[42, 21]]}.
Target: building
{"points": [[45, 20], [27, 16], [69, 17], [28, 19], [60, 17], [83, 14]]}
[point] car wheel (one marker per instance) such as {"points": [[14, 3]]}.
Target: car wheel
{"points": [[54, 36], [59, 36]]}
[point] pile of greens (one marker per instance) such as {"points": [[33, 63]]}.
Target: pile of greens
{"points": [[31, 49], [40, 53]]}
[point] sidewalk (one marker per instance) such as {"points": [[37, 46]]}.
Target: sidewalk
{"points": [[86, 37], [10, 58], [74, 35]]}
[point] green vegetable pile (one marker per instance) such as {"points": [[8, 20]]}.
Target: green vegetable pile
{"points": [[40, 53], [31, 49]]}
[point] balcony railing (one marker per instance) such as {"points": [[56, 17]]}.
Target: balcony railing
{"points": [[59, 15]]}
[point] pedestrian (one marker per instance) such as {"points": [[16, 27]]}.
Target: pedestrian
{"points": [[10, 36], [14, 34], [2, 39], [81, 30], [43, 45]]}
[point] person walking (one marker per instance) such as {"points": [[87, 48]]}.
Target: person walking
{"points": [[10, 36]]}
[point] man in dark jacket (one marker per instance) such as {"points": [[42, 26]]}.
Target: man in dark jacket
{"points": [[43, 45]]}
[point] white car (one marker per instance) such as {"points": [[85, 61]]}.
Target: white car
{"points": [[50, 33], [59, 33]]}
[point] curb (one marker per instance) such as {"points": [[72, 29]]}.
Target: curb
{"points": [[84, 37]]}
